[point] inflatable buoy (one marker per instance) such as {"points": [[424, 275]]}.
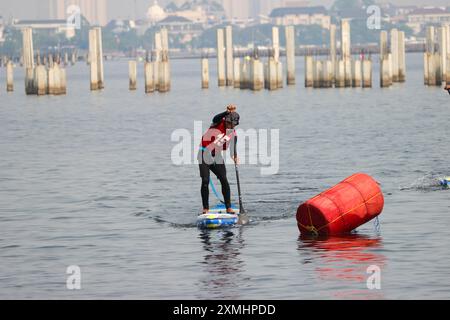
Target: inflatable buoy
{"points": [[343, 208]]}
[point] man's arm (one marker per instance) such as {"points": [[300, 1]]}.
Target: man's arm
{"points": [[216, 120]]}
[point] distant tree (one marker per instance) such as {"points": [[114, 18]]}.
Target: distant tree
{"points": [[13, 43], [342, 5]]}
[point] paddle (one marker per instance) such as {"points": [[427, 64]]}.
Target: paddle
{"points": [[243, 217]]}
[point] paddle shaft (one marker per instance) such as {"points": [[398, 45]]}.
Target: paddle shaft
{"points": [[241, 207]]}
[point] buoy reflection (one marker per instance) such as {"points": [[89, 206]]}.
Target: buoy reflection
{"points": [[344, 260]]}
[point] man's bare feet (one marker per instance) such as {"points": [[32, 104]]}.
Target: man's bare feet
{"points": [[205, 211], [230, 211]]}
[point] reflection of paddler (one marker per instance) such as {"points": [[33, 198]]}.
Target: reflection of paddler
{"points": [[223, 262], [447, 87]]}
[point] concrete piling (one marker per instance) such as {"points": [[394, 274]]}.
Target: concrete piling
{"points": [[279, 75], [271, 74], [256, 74], [346, 51], [205, 73], [438, 68], [63, 81], [356, 73], [345, 39], [220, 58], [276, 43], [237, 73], [290, 55], [229, 55], [164, 74], [333, 50], [430, 47], [54, 80], [328, 74], [348, 72], [96, 59], [9, 76], [385, 72], [245, 73], [367, 73], [157, 59], [93, 60], [41, 81], [28, 50], [426, 71], [318, 74], [435, 57], [340, 74], [401, 57], [148, 75], [395, 54], [442, 43], [309, 71], [27, 60], [101, 76], [132, 72]]}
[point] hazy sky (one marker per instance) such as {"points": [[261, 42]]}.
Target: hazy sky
{"points": [[27, 9]]}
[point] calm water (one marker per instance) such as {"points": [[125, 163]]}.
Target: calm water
{"points": [[86, 179]]}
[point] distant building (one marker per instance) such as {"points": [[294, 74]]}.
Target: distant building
{"points": [[95, 11], [197, 15], [301, 16], [52, 26], [184, 29], [155, 13], [120, 26], [420, 17], [193, 13], [2, 30], [236, 9]]}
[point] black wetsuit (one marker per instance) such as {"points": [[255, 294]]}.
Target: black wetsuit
{"points": [[212, 160]]}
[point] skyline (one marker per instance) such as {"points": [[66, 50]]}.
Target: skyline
{"points": [[35, 9]]}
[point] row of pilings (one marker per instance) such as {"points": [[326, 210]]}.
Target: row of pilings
{"points": [[156, 67], [46, 75], [436, 59], [41, 79], [249, 71], [343, 71]]}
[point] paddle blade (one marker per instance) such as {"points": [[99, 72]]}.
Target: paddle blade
{"points": [[243, 219]]}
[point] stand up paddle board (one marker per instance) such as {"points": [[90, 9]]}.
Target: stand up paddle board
{"points": [[217, 217], [445, 182]]}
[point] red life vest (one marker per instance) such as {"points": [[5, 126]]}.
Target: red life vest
{"points": [[217, 137]]}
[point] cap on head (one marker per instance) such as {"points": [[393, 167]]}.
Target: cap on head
{"points": [[233, 117]]}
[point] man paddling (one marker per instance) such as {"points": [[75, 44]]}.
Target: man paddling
{"points": [[221, 136]]}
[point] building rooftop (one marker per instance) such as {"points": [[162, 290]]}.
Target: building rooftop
{"points": [[281, 12], [178, 19], [35, 22], [424, 11]]}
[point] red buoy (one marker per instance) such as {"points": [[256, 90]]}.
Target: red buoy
{"points": [[343, 208]]}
